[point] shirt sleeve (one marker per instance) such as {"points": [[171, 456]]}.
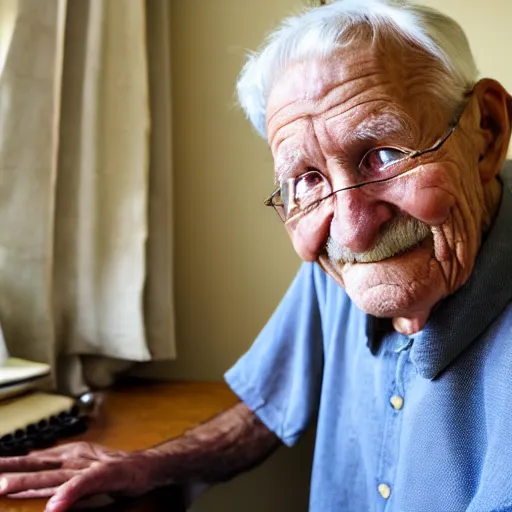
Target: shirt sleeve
{"points": [[280, 377]]}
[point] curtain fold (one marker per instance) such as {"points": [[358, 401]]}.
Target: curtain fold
{"points": [[85, 194], [158, 305]]}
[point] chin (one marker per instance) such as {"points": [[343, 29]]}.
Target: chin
{"points": [[389, 301], [399, 286]]}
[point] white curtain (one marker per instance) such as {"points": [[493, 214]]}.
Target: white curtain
{"points": [[85, 185]]}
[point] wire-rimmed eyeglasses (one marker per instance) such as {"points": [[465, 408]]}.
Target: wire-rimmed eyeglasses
{"points": [[296, 197]]}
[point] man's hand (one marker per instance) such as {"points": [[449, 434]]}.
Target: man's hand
{"points": [[230, 443], [70, 472]]}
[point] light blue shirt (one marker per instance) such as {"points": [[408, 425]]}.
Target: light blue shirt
{"points": [[417, 424]]}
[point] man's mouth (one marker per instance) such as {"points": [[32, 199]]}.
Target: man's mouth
{"points": [[399, 236]]}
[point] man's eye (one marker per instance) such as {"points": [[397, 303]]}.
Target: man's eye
{"points": [[378, 159], [307, 184]]}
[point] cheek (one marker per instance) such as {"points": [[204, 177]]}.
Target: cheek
{"points": [[310, 235], [427, 195], [431, 205]]}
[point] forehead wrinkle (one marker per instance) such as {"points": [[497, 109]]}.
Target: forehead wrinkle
{"points": [[340, 91], [386, 120], [337, 96], [276, 138], [307, 108], [270, 119], [341, 109]]}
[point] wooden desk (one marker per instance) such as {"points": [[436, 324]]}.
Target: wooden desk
{"points": [[141, 414]]}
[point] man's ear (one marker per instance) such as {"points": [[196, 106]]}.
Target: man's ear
{"points": [[494, 126]]}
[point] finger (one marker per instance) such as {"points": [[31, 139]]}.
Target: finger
{"points": [[33, 494], [11, 483], [78, 450], [87, 484], [59, 450], [99, 479], [27, 463]]}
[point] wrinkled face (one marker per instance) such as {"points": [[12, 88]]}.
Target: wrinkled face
{"points": [[396, 249]]}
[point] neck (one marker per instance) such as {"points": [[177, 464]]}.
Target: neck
{"points": [[412, 324]]}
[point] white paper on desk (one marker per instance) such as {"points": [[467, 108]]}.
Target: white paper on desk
{"points": [[18, 370], [17, 414]]}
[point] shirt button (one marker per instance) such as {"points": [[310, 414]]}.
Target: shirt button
{"points": [[384, 491], [397, 402]]}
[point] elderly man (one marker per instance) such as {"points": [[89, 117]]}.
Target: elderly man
{"points": [[396, 335]]}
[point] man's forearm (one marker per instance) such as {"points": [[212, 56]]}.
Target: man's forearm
{"points": [[225, 446]]}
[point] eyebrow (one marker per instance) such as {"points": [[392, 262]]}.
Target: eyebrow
{"points": [[285, 165], [380, 126]]}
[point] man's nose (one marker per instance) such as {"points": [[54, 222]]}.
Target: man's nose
{"points": [[352, 218], [357, 220]]}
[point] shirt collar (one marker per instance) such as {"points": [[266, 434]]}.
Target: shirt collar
{"points": [[463, 316]]}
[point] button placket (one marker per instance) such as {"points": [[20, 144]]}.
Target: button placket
{"points": [[396, 401]]}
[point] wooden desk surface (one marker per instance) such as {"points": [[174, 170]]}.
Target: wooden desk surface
{"points": [[136, 416]]}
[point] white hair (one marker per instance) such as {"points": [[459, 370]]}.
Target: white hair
{"points": [[321, 31]]}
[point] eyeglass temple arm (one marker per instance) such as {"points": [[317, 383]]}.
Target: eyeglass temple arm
{"points": [[268, 201], [437, 145]]}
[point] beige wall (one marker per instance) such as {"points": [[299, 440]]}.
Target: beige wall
{"points": [[233, 261], [487, 25]]}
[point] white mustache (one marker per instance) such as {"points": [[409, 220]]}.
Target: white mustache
{"points": [[400, 234]]}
